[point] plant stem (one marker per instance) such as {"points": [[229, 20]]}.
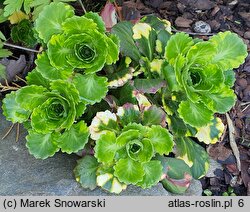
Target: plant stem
{"points": [[118, 11], [17, 132], [20, 47], [195, 33], [8, 132], [84, 10]]}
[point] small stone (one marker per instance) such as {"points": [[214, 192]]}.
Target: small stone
{"points": [[213, 166], [246, 93], [214, 181], [238, 123], [234, 2], [215, 25], [242, 83], [246, 17], [215, 11], [153, 3], [204, 4], [247, 35], [183, 22], [202, 27], [195, 189]]}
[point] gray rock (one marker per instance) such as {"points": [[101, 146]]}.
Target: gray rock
{"points": [[22, 174], [213, 165], [202, 27]]}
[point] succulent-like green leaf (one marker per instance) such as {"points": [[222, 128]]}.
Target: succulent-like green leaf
{"points": [[127, 136], [66, 90], [177, 125], [153, 173], [85, 172], [58, 52], [106, 147], [125, 33], [49, 21], [74, 139], [212, 132], [194, 156], [149, 85], [169, 75], [42, 146], [11, 7], [98, 20], [78, 25], [35, 78], [110, 183], [48, 71], [129, 113], [220, 101], [229, 78], [180, 43], [4, 52], [121, 77], [154, 116], [201, 53], [140, 150], [134, 126], [23, 32], [157, 23], [102, 123], [161, 139], [2, 72], [145, 37], [58, 111], [113, 45], [196, 115], [34, 96], [177, 176], [80, 108], [230, 50], [91, 87], [129, 171], [49, 116], [13, 111], [88, 51], [125, 94], [213, 77]]}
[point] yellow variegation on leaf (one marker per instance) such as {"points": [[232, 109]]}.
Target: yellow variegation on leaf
{"points": [[108, 182], [17, 17], [141, 29], [211, 133]]}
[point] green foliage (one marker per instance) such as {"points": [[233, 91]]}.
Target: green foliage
{"points": [[22, 32], [75, 42], [177, 174], [28, 5], [52, 113], [200, 73], [126, 153], [3, 52]]}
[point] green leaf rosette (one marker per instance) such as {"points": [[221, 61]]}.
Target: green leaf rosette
{"points": [[125, 148], [203, 71], [51, 113], [76, 42]]}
